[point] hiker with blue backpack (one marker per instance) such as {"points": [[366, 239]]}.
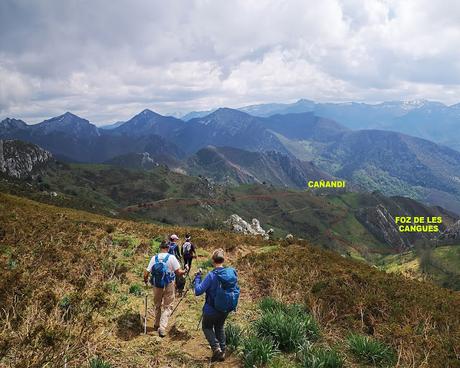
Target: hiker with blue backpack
{"points": [[222, 294], [173, 247], [163, 269]]}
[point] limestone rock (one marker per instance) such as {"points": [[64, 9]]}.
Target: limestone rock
{"points": [[237, 224], [451, 233], [20, 160]]}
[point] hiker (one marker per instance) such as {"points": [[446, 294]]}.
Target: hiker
{"points": [[222, 293], [163, 269], [173, 248], [188, 252], [180, 284]]}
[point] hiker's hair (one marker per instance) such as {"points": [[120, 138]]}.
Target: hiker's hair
{"points": [[164, 245], [218, 256]]}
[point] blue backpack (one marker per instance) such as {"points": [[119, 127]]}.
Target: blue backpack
{"points": [[160, 275], [228, 291]]}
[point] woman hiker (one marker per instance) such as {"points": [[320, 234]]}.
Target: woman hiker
{"points": [[222, 293]]}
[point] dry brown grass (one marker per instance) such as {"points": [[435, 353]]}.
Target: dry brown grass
{"points": [[58, 268], [420, 320]]}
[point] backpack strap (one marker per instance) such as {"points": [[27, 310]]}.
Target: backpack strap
{"points": [[165, 259], [156, 259]]}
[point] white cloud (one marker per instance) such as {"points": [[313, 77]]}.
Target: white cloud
{"points": [[107, 60]]}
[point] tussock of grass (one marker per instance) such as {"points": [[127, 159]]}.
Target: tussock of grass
{"points": [[136, 289], [99, 363], [319, 357], [269, 304], [258, 351], [371, 351], [289, 326], [283, 361], [233, 333]]}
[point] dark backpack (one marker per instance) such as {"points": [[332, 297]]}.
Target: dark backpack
{"points": [[160, 275], [187, 248], [228, 291]]}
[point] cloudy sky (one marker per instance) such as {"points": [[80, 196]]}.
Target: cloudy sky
{"points": [[107, 60]]}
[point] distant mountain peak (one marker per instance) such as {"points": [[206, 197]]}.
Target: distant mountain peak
{"points": [[226, 118], [226, 112], [66, 118], [304, 101], [12, 123], [148, 112], [145, 115]]}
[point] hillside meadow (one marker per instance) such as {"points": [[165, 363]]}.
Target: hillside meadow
{"points": [[71, 293]]}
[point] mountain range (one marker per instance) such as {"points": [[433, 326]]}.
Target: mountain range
{"points": [[421, 118], [347, 222], [291, 147], [234, 166], [355, 224]]}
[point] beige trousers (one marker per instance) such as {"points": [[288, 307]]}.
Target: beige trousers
{"points": [[163, 300]]}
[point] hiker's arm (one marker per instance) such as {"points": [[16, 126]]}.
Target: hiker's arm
{"points": [[146, 276], [201, 287], [180, 272], [148, 269]]}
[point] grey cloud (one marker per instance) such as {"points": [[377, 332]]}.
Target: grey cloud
{"points": [[108, 59]]}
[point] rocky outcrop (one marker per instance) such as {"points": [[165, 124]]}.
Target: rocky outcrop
{"points": [[234, 166], [381, 224], [20, 160], [451, 233], [237, 224]]}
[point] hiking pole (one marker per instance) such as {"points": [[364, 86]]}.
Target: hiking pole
{"points": [[145, 314], [180, 300]]}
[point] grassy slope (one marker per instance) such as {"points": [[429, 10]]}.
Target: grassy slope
{"points": [[76, 300], [185, 200], [442, 266]]}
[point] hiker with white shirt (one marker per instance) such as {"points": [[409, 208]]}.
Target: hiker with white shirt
{"points": [[162, 271]]}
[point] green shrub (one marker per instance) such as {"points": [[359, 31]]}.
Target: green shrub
{"points": [[233, 334], [369, 350], [135, 289], [206, 265], [289, 328], [258, 351], [318, 357], [99, 363], [270, 304]]}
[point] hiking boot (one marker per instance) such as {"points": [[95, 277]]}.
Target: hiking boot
{"points": [[217, 355], [221, 356], [161, 332]]}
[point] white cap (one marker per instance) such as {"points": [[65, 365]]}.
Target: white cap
{"points": [[174, 237]]}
